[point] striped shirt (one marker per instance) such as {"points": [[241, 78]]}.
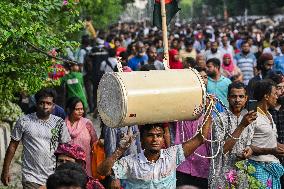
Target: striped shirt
{"points": [[40, 139], [246, 63]]}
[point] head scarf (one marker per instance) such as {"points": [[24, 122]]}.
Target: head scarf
{"points": [[71, 150], [231, 65], [174, 64]]}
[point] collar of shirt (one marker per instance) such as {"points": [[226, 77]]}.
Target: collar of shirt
{"points": [[142, 158]]}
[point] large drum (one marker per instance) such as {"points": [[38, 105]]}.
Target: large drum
{"points": [[137, 98]]}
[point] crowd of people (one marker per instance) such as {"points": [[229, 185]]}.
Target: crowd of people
{"points": [[238, 63]]}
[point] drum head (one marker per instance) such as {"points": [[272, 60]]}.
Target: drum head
{"points": [[111, 100]]}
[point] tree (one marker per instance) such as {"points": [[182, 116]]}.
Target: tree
{"points": [[29, 29], [102, 12]]}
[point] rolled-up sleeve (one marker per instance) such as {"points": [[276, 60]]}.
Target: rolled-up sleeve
{"points": [[18, 130], [120, 168], [65, 136], [178, 150]]}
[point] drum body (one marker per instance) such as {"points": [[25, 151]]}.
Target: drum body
{"points": [[144, 97]]}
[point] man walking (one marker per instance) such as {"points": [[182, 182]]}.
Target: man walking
{"points": [[246, 61], [40, 134], [217, 84]]}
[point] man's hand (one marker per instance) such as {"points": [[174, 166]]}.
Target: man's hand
{"points": [[248, 119], [127, 139], [115, 184], [279, 150], [5, 178], [247, 153]]}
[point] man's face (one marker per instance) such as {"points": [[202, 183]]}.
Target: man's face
{"points": [[245, 48], [280, 93], [153, 140], [140, 50], [189, 48], [268, 65], [280, 89], [152, 54], [45, 106], [214, 47], [117, 43], [211, 70], [200, 61], [272, 98], [237, 99], [61, 159], [225, 40]]}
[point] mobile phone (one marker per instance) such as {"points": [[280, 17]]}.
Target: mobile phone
{"points": [[252, 105]]}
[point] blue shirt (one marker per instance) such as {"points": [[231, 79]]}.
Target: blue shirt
{"points": [[279, 64], [219, 88], [136, 62], [246, 63], [137, 172]]}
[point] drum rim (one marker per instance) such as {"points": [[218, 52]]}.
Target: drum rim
{"points": [[105, 118]]}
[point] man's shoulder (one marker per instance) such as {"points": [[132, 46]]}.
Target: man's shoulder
{"points": [[27, 117], [225, 80], [55, 118]]}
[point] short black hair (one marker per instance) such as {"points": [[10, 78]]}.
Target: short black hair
{"points": [[71, 166], [111, 52], [215, 61], [191, 61], [43, 93], [188, 42], [147, 127], [71, 104], [244, 42], [274, 43], [200, 69], [261, 88], [236, 85], [66, 178], [275, 77]]}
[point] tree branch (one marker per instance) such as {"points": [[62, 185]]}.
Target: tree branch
{"points": [[50, 56]]}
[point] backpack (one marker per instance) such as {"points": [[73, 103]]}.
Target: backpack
{"points": [[115, 69]]}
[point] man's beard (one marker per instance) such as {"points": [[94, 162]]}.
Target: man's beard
{"points": [[152, 59], [280, 100], [214, 50], [211, 74]]}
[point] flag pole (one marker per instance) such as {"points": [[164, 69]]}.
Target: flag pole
{"points": [[165, 35]]}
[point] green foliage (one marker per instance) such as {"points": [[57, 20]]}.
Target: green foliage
{"points": [[10, 112], [102, 12], [43, 23]]}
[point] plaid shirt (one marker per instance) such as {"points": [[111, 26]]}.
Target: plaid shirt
{"points": [[278, 118]]}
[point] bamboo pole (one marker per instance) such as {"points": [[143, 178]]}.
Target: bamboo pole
{"points": [[165, 35]]}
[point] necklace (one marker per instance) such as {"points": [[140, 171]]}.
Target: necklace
{"points": [[265, 114], [261, 111]]}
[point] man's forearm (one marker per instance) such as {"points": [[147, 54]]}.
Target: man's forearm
{"points": [[9, 155], [230, 142], [105, 167], [262, 151], [191, 145]]}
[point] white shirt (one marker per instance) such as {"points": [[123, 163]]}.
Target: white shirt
{"points": [[208, 55], [142, 174], [268, 50], [265, 136], [227, 50]]}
